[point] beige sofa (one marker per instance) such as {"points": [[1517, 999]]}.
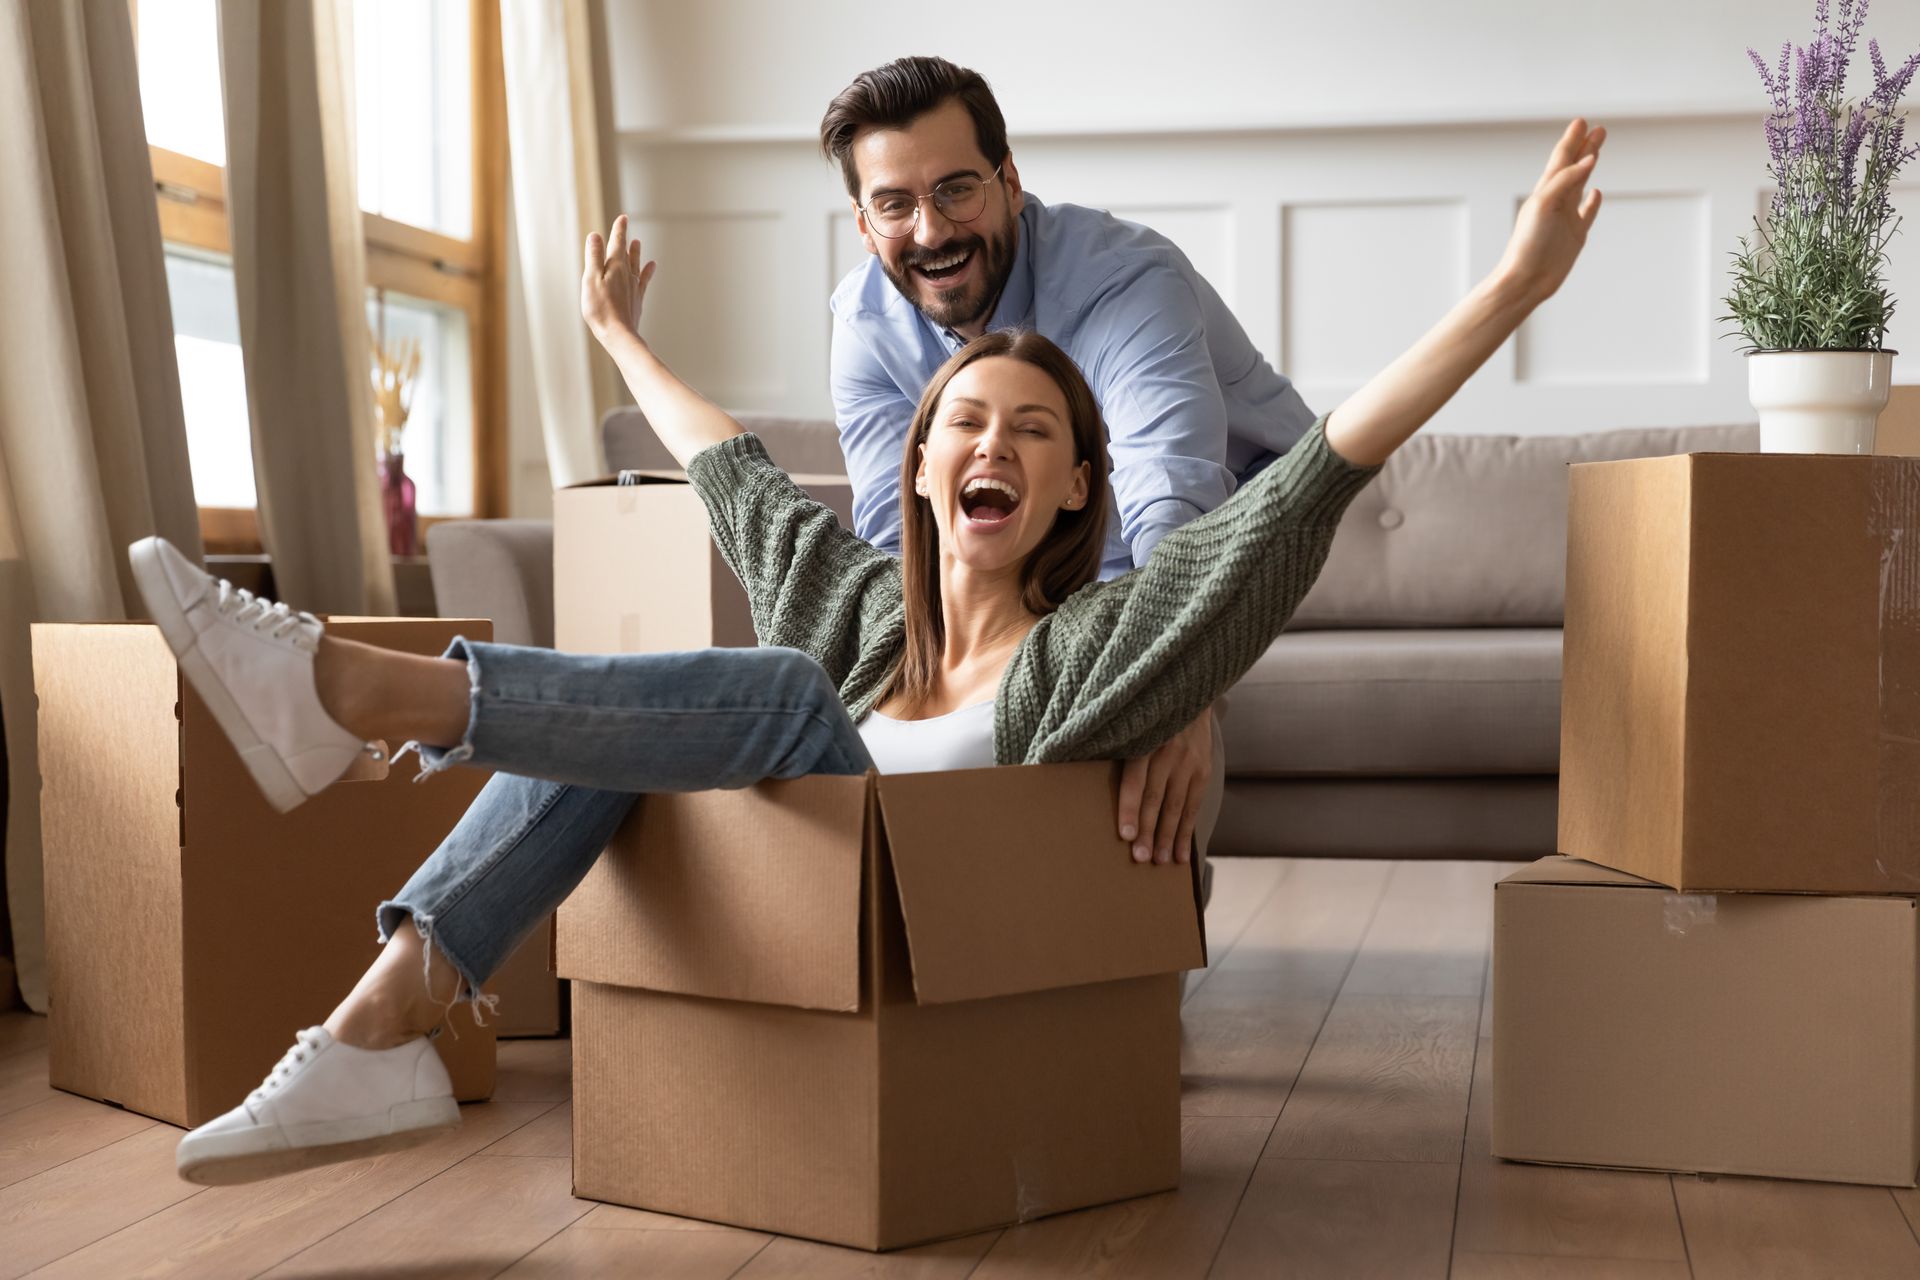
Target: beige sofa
{"points": [[1412, 708]]}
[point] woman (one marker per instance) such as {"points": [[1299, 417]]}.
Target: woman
{"points": [[988, 642]]}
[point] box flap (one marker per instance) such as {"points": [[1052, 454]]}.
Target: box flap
{"points": [[733, 895], [1013, 879], [1564, 870]]}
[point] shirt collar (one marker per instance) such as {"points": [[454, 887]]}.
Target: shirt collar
{"points": [[1015, 306]]}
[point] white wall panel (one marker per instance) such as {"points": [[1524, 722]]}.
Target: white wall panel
{"points": [[756, 233], [1361, 282], [713, 309], [1903, 334], [1638, 309]]}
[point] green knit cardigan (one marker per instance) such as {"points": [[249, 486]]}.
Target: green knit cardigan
{"points": [[1119, 668]]}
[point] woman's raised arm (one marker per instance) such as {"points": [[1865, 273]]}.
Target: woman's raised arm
{"points": [[1547, 237], [612, 288]]}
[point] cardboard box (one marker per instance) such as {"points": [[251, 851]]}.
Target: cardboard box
{"points": [[1741, 689], [191, 930], [635, 569], [878, 1010], [1769, 1034]]}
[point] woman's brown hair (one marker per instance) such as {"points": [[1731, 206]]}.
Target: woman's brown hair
{"points": [[1067, 558]]}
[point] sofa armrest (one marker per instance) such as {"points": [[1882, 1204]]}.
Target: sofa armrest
{"points": [[497, 569]]}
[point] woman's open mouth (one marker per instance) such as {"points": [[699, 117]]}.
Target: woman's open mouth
{"points": [[988, 504]]}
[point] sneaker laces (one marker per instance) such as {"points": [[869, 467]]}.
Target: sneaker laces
{"points": [[305, 1045], [276, 620]]}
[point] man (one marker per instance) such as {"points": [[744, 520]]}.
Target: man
{"points": [[959, 247]]}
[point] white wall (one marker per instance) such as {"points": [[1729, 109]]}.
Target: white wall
{"points": [[1341, 173]]}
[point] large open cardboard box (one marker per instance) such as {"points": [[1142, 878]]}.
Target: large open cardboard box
{"points": [[635, 570], [191, 930], [1768, 1034], [1741, 690], [878, 1010]]}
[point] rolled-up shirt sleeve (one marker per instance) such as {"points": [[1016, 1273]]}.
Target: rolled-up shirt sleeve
{"points": [[1148, 362], [873, 415]]}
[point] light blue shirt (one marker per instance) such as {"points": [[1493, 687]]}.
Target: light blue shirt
{"points": [[1193, 410]]}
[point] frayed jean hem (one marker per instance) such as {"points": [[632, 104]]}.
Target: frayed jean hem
{"points": [[435, 759]]}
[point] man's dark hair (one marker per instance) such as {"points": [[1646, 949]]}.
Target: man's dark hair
{"points": [[900, 92]]}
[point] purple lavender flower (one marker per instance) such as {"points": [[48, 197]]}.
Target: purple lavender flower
{"points": [[1816, 278]]}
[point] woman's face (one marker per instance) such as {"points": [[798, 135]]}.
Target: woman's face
{"points": [[998, 463]]}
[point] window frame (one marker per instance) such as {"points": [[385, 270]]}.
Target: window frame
{"points": [[412, 261]]}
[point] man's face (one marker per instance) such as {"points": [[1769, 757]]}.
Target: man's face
{"points": [[952, 271]]}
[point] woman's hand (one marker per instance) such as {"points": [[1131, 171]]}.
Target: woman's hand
{"points": [[1547, 236], [614, 284], [1553, 223]]}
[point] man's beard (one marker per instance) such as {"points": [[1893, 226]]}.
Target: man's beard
{"points": [[952, 308]]}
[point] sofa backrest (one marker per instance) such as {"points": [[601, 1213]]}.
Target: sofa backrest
{"points": [[1457, 530], [1471, 531], [802, 446]]}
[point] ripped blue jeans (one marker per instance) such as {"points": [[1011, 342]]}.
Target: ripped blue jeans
{"points": [[574, 739]]}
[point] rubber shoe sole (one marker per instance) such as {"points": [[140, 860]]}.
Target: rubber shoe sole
{"points": [[240, 1157], [282, 791]]}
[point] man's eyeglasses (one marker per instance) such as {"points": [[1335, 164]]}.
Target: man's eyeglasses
{"points": [[895, 213]]}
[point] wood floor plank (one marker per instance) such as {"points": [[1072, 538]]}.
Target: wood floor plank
{"points": [[620, 1217], [1431, 934], [1758, 1229], [581, 1251], [1248, 1029], [1313, 921], [1241, 1051], [550, 1135], [476, 1219], [1555, 1212], [1520, 1266], [1387, 1079], [790, 1259], [23, 1080], [1155, 1237], [20, 1031], [1558, 1212], [241, 1231], [534, 1071], [57, 1130], [1241, 887], [1351, 1219], [68, 1207]]}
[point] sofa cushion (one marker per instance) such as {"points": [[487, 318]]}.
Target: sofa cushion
{"points": [[1471, 531], [1399, 703]]}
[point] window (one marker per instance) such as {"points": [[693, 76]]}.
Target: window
{"points": [[430, 132]]}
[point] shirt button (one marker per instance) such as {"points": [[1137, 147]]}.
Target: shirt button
{"points": [[1391, 519]]}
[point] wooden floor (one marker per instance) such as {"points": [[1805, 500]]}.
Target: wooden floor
{"points": [[1337, 1068]]}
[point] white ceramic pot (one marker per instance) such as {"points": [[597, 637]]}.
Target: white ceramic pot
{"points": [[1818, 401]]}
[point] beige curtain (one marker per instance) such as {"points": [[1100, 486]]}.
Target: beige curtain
{"points": [[93, 452], [560, 137], [299, 268]]}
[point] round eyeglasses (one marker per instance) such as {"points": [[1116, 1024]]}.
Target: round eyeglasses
{"points": [[895, 213]]}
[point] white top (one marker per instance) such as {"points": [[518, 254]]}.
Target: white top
{"points": [[960, 739]]}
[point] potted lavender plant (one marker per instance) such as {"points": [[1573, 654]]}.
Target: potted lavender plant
{"points": [[1809, 291]]}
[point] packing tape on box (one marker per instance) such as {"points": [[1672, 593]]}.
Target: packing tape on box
{"points": [[1895, 499], [1682, 913]]}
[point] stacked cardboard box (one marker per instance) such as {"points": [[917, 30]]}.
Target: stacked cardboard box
{"points": [[191, 930], [868, 1010], [1722, 976]]}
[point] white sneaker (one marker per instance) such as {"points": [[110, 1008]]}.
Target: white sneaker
{"points": [[252, 664], [325, 1102]]}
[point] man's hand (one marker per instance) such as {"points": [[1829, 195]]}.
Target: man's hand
{"points": [[613, 284], [1160, 794]]}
